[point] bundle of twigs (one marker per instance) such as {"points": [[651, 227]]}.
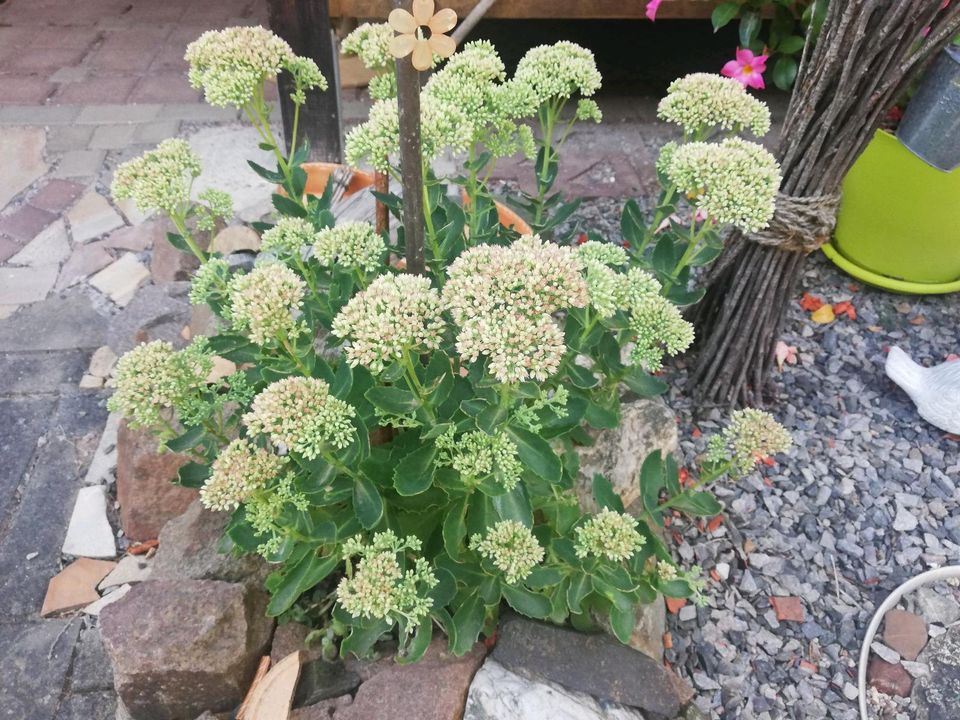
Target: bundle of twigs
{"points": [[866, 54]]}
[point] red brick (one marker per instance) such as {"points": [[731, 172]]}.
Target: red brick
{"points": [[137, 38], [102, 90], [123, 59], [44, 59], [165, 87], [887, 678], [25, 89], [170, 59], [76, 38], [25, 223], [57, 195], [788, 609], [904, 632]]}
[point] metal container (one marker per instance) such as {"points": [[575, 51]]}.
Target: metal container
{"points": [[930, 127]]}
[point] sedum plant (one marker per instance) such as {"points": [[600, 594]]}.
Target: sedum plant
{"points": [[403, 449]]}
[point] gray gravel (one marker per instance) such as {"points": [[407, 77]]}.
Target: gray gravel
{"points": [[866, 499]]}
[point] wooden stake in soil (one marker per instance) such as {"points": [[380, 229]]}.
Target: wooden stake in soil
{"points": [[867, 53]]}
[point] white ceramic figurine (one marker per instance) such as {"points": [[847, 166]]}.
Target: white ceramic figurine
{"points": [[934, 390]]}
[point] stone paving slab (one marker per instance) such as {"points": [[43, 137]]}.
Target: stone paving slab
{"points": [[34, 662]]}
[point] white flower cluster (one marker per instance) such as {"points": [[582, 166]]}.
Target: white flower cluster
{"points": [[350, 244], [288, 237], [558, 71], [701, 102], [154, 377], [240, 469], [751, 436], [210, 279], [511, 547], [214, 205], [160, 179], [300, 414], [231, 65], [502, 299], [608, 534], [656, 325], [478, 456], [394, 315], [264, 303], [371, 43], [442, 126], [733, 182], [379, 587], [263, 510]]}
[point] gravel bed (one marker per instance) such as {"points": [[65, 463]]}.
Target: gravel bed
{"points": [[866, 499]]}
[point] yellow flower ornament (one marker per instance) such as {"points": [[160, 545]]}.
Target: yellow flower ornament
{"points": [[412, 38]]}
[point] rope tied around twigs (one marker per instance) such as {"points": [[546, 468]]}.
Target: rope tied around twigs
{"points": [[800, 224]]}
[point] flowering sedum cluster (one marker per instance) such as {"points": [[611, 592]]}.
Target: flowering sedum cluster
{"points": [[608, 534], [231, 65], [511, 547], [395, 315], [701, 102], [733, 182], [478, 455], [502, 299], [264, 303], [351, 245], [153, 378], [557, 71], [371, 43], [264, 510], [300, 414], [160, 179], [288, 237], [240, 470], [210, 281], [379, 587], [751, 436], [656, 325]]}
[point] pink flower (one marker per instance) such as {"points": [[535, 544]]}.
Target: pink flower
{"points": [[652, 7], [747, 69]]}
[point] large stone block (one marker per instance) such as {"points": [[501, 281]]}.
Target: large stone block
{"points": [[147, 496], [179, 648], [617, 454]]}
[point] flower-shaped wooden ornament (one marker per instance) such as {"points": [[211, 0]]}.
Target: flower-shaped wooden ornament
{"points": [[422, 33]]}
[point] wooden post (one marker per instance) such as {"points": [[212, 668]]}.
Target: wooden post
{"points": [[411, 163], [305, 25]]}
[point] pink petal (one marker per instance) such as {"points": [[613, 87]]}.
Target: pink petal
{"points": [[731, 69], [755, 80], [652, 7], [744, 56]]}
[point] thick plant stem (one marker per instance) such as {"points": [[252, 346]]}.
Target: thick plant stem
{"points": [[833, 113]]}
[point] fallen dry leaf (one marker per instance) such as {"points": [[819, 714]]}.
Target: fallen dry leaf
{"points": [[845, 308], [714, 523], [918, 320], [143, 548], [810, 303], [823, 316], [785, 354], [904, 307]]}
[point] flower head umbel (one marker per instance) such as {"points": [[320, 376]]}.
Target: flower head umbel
{"points": [[210, 281], [411, 39], [240, 469], [747, 69], [502, 298], [231, 65], [264, 303], [751, 436], [383, 585], [395, 315], [511, 547], [264, 508], [608, 534], [477, 456], [733, 182], [701, 102], [350, 245], [553, 72], [160, 179], [371, 43], [154, 377], [657, 328], [301, 414], [288, 237]]}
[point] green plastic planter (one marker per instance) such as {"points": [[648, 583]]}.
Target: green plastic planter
{"points": [[898, 227]]}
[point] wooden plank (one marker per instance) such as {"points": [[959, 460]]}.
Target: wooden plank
{"points": [[305, 24], [530, 9]]}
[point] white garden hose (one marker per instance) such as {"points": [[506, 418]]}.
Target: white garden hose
{"points": [[930, 576]]}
